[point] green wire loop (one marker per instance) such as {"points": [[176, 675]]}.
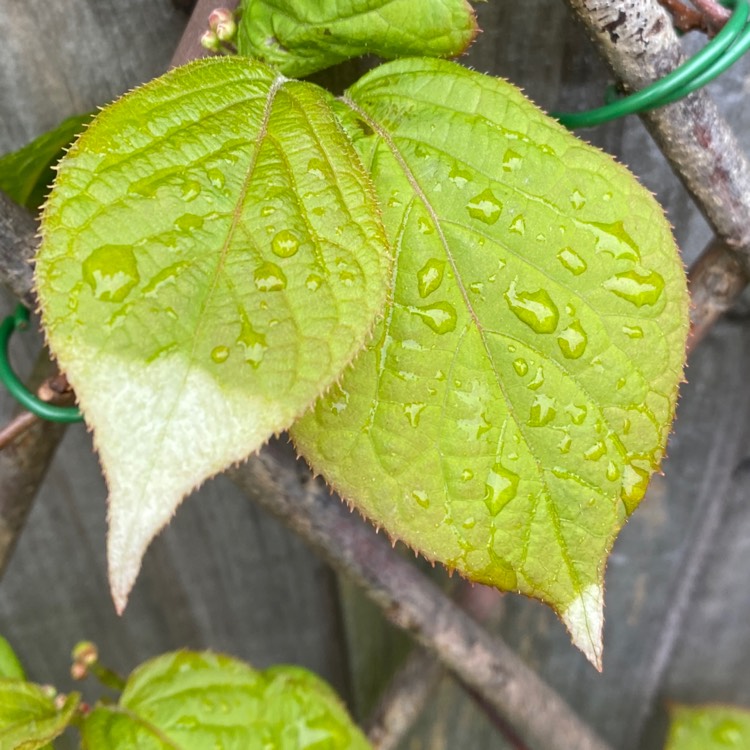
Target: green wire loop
{"points": [[720, 53], [20, 320]]}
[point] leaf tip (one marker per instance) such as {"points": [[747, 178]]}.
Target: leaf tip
{"points": [[584, 619]]}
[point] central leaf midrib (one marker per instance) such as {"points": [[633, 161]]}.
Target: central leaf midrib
{"points": [[411, 178]]}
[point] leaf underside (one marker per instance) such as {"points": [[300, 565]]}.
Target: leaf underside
{"points": [[301, 37], [192, 701], [711, 727], [212, 258], [517, 395]]}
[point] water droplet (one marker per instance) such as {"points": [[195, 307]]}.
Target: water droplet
{"points": [[564, 444], [190, 190], [536, 309], [424, 225], [430, 276], [285, 244], [165, 276], [572, 341], [317, 168], [459, 177], [485, 207], [313, 282], [476, 287], [607, 197], [420, 498], [501, 487], [542, 411], [441, 316], [111, 272], [269, 278], [572, 261], [512, 160], [412, 412], [633, 332], [521, 366], [469, 523], [467, 475], [267, 210], [638, 288], [614, 239], [338, 398], [187, 722], [613, 472], [189, 222], [595, 452], [576, 413], [537, 381], [728, 732], [394, 201], [634, 484], [253, 344], [347, 278], [577, 200], [518, 225], [216, 177], [220, 354]]}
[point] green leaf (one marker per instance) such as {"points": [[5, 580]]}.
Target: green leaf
{"points": [[212, 258], [518, 394], [29, 719], [708, 728], [192, 701], [10, 666], [301, 37], [26, 174]]}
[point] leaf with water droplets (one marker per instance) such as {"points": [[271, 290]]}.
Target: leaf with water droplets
{"points": [[301, 37], [538, 317], [712, 727], [175, 274], [192, 701]]}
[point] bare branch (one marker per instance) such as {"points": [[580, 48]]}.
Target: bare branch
{"points": [[411, 601], [715, 13], [17, 246], [23, 464]]}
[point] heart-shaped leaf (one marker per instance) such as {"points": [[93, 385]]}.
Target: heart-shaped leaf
{"points": [[517, 396], [212, 258], [192, 701], [29, 719], [301, 37], [712, 727]]}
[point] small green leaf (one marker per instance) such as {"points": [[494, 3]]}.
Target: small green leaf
{"points": [[26, 174], [29, 719], [514, 401], [212, 258], [10, 666], [710, 727], [301, 37], [192, 701]]}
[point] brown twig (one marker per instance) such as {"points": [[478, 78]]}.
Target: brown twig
{"points": [[715, 13], [716, 280], [685, 18], [23, 464]]}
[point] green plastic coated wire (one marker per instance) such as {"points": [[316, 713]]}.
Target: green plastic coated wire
{"points": [[719, 54], [17, 389]]}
